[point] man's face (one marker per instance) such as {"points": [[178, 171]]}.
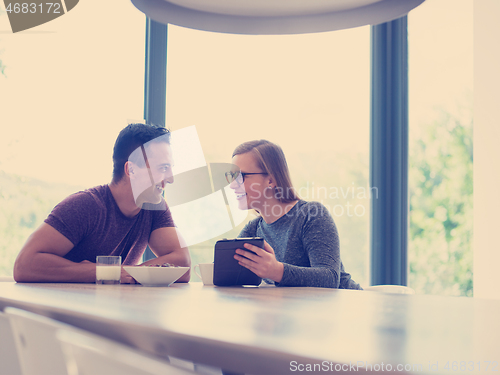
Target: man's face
{"points": [[148, 183]]}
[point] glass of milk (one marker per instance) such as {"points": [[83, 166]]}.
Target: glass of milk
{"points": [[108, 269]]}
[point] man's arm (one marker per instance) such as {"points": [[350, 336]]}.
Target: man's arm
{"points": [[167, 245], [42, 260]]}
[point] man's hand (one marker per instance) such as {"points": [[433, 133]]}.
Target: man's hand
{"points": [[167, 244], [263, 263], [126, 278]]}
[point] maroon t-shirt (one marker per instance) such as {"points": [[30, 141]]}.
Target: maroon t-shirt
{"points": [[93, 222]]}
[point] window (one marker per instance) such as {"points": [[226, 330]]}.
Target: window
{"points": [[69, 87], [440, 174], [308, 93]]}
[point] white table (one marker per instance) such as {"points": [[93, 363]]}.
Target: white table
{"points": [[269, 330]]}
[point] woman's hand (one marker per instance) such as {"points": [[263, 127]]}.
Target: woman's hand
{"points": [[263, 263]]}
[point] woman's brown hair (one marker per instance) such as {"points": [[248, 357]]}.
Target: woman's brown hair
{"points": [[271, 159]]}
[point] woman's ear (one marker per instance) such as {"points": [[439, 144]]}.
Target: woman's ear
{"points": [[270, 182]]}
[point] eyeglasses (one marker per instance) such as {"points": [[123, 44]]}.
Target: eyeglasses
{"points": [[238, 176]]}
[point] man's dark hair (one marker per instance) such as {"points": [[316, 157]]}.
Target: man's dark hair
{"points": [[130, 138]]}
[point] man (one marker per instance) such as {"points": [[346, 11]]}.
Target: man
{"points": [[120, 218]]}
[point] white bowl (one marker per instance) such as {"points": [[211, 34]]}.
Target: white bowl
{"points": [[156, 276]]}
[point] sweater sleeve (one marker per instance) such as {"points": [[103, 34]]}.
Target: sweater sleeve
{"points": [[320, 241]]}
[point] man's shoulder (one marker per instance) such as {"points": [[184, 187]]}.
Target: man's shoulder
{"points": [[79, 212], [95, 197]]}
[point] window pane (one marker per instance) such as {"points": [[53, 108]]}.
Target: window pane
{"points": [[441, 76], [308, 93], [69, 87]]}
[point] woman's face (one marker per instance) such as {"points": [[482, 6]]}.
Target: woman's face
{"points": [[250, 194]]}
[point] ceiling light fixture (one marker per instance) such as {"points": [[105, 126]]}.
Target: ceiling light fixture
{"points": [[274, 17]]}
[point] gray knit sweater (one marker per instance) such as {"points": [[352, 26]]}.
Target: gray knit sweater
{"points": [[306, 241]]}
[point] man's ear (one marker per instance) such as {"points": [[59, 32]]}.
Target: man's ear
{"points": [[129, 169]]}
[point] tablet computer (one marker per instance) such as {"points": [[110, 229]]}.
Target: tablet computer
{"points": [[227, 271]]}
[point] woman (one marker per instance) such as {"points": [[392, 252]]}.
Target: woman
{"points": [[301, 245]]}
